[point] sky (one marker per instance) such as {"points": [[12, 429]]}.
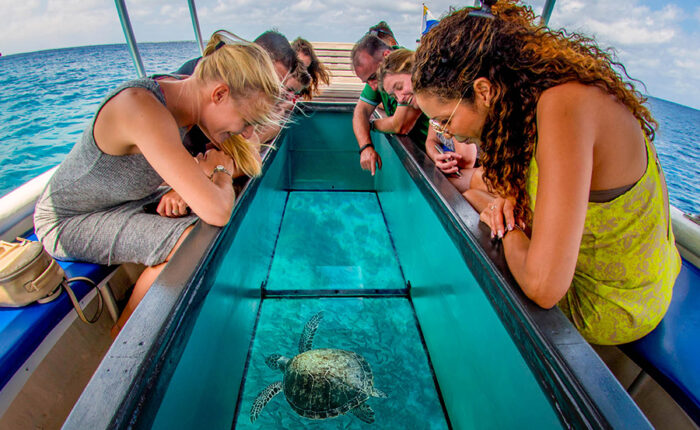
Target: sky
{"points": [[658, 41]]}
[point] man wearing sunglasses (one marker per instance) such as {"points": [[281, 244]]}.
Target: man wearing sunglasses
{"points": [[383, 31], [366, 56]]}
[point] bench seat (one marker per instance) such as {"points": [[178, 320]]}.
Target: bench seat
{"points": [[23, 329], [671, 353]]}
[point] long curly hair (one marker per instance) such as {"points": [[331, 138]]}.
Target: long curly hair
{"points": [[521, 59], [320, 74]]}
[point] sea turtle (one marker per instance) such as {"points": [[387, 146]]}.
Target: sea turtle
{"points": [[321, 383]]}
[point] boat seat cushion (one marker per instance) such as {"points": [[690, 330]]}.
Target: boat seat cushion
{"points": [[669, 354], [23, 329]]}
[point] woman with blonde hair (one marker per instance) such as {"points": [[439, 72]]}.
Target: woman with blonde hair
{"points": [[567, 146], [92, 208]]}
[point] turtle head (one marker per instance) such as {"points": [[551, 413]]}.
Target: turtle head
{"points": [[276, 361]]}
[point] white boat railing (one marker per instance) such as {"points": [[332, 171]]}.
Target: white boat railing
{"points": [[195, 25], [17, 207], [687, 236], [131, 39]]}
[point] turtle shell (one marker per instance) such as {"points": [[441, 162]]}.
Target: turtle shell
{"points": [[324, 383]]}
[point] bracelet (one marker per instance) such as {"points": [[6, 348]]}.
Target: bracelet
{"points": [[363, 147], [219, 168]]}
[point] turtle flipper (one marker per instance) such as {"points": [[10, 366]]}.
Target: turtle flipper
{"points": [[265, 396], [272, 361], [364, 413], [378, 393], [307, 336]]}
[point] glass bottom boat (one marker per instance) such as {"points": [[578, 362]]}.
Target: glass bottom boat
{"points": [[395, 264], [406, 278]]}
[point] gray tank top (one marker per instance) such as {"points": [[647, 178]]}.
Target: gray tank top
{"points": [[92, 208], [89, 180]]}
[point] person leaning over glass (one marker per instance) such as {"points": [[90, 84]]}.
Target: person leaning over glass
{"points": [[92, 208], [366, 56], [319, 73], [456, 160], [566, 144]]}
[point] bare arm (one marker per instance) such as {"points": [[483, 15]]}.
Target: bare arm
{"points": [[430, 143], [134, 121], [360, 122], [369, 158], [479, 199], [544, 265], [401, 122], [469, 152]]}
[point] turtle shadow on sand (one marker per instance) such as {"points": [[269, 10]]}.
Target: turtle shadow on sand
{"points": [[321, 383]]}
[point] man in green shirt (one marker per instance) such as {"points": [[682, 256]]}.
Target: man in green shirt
{"points": [[366, 56]]}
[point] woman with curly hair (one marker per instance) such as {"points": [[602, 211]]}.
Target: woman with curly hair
{"points": [[455, 159], [318, 71], [566, 143]]}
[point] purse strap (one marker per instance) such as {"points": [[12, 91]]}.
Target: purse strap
{"points": [[47, 277], [76, 304]]}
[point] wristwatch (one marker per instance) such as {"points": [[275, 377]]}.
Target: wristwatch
{"points": [[220, 168]]}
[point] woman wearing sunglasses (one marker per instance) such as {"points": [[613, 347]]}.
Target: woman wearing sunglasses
{"points": [[567, 146]]}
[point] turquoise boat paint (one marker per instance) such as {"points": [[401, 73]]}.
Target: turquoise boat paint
{"points": [[339, 240], [320, 246]]}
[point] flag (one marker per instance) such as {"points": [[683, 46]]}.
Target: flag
{"points": [[428, 20]]}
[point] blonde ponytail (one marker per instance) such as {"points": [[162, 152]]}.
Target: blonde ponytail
{"points": [[243, 153], [248, 71]]}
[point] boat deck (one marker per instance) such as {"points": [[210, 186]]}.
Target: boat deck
{"points": [[344, 86]]}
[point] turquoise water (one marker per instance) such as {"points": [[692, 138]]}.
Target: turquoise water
{"points": [[339, 240], [334, 240], [678, 144], [383, 331], [48, 97]]}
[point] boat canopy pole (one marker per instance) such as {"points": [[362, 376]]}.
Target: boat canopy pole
{"points": [[195, 24], [130, 39], [547, 11]]}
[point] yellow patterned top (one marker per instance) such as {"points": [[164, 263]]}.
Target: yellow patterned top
{"points": [[627, 263]]}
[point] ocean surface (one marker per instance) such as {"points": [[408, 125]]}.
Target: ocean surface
{"points": [[48, 98]]}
